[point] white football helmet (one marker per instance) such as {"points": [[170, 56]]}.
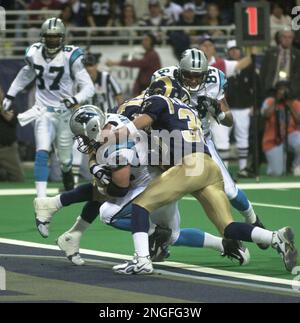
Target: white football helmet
{"points": [[86, 124], [53, 33], [193, 69]]}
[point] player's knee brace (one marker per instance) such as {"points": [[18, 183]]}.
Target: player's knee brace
{"points": [[41, 166]]}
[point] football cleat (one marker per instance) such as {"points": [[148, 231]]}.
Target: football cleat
{"points": [[234, 249], [283, 242], [259, 224], [137, 266], [158, 244], [44, 209], [69, 243]]}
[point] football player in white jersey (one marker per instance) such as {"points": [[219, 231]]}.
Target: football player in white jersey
{"points": [[54, 67], [124, 177], [206, 86]]}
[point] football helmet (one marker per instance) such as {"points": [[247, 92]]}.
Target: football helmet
{"points": [[53, 34], [169, 87], [193, 69], [86, 124]]}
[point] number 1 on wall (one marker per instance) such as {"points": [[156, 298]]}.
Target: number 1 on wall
{"points": [[252, 20]]}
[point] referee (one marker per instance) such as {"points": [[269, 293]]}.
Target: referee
{"points": [[108, 93]]}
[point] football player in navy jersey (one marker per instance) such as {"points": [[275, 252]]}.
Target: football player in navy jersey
{"points": [[193, 173]]}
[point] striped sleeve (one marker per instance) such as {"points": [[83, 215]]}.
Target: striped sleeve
{"points": [[116, 88]]}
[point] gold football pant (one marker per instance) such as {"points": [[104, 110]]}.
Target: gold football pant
{"points": [[206, 186]]}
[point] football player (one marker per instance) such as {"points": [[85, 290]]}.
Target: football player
{"points": [[125, 165], [191, 171], [206, 86], [55, 67]]}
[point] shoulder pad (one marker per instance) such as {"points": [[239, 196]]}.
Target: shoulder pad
{"points": [[73, 53], [31, 50]]}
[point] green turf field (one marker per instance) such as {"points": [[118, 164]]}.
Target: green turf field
{"points": [[17, 222]]}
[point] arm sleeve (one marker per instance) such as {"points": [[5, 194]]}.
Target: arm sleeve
{"points": [[230, 67], [222, 85], [154, 107], [25, 76], [135, 62], [87, 89]]}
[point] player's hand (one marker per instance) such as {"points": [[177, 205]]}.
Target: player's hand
{"points": [[6, 103], [70, 103], [102, 173], [202, 106]]}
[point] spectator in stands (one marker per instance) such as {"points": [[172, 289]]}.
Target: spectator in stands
{"points": [[182, 40], [147, 65], [10, 165], [99, 13], [278, 20], [155, 17], [229, 67], [213, 18], [127, 19], [281, 63], [172, 10], [108, 93], [67, 15], [200, 8], [79, 9], [282, 130], [241, 105]]}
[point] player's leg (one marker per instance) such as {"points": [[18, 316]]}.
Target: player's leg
{"points": [[44, 135], [69, 242], [64, 144], [216, 205], [221, 140], [241, 131], [46, 207], [236, 196], [164, 189]]}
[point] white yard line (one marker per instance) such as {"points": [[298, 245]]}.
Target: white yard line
{"points": [[188, 267], [249, 186], [276, 206]]}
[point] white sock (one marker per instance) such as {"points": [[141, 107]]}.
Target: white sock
{"points": [[57, 201], [259, 235], [79, 226], [141, 244], [41, 189], [213, 242], [249, 214], [242, 163]]}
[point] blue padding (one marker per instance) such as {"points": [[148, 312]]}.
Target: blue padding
{"points": [[41, 166], [240, 202], [190, 237]]}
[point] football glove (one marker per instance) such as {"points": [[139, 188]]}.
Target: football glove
{"points": [[102, 174], [7, 102], [70, 102], [212, 106]]}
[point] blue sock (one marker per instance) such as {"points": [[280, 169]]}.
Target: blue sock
{"points": [[122, 224], [82, 193], [239, 231], [41, 166], [139, 219], [240, 202], [90, 211], [190, 237]]}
